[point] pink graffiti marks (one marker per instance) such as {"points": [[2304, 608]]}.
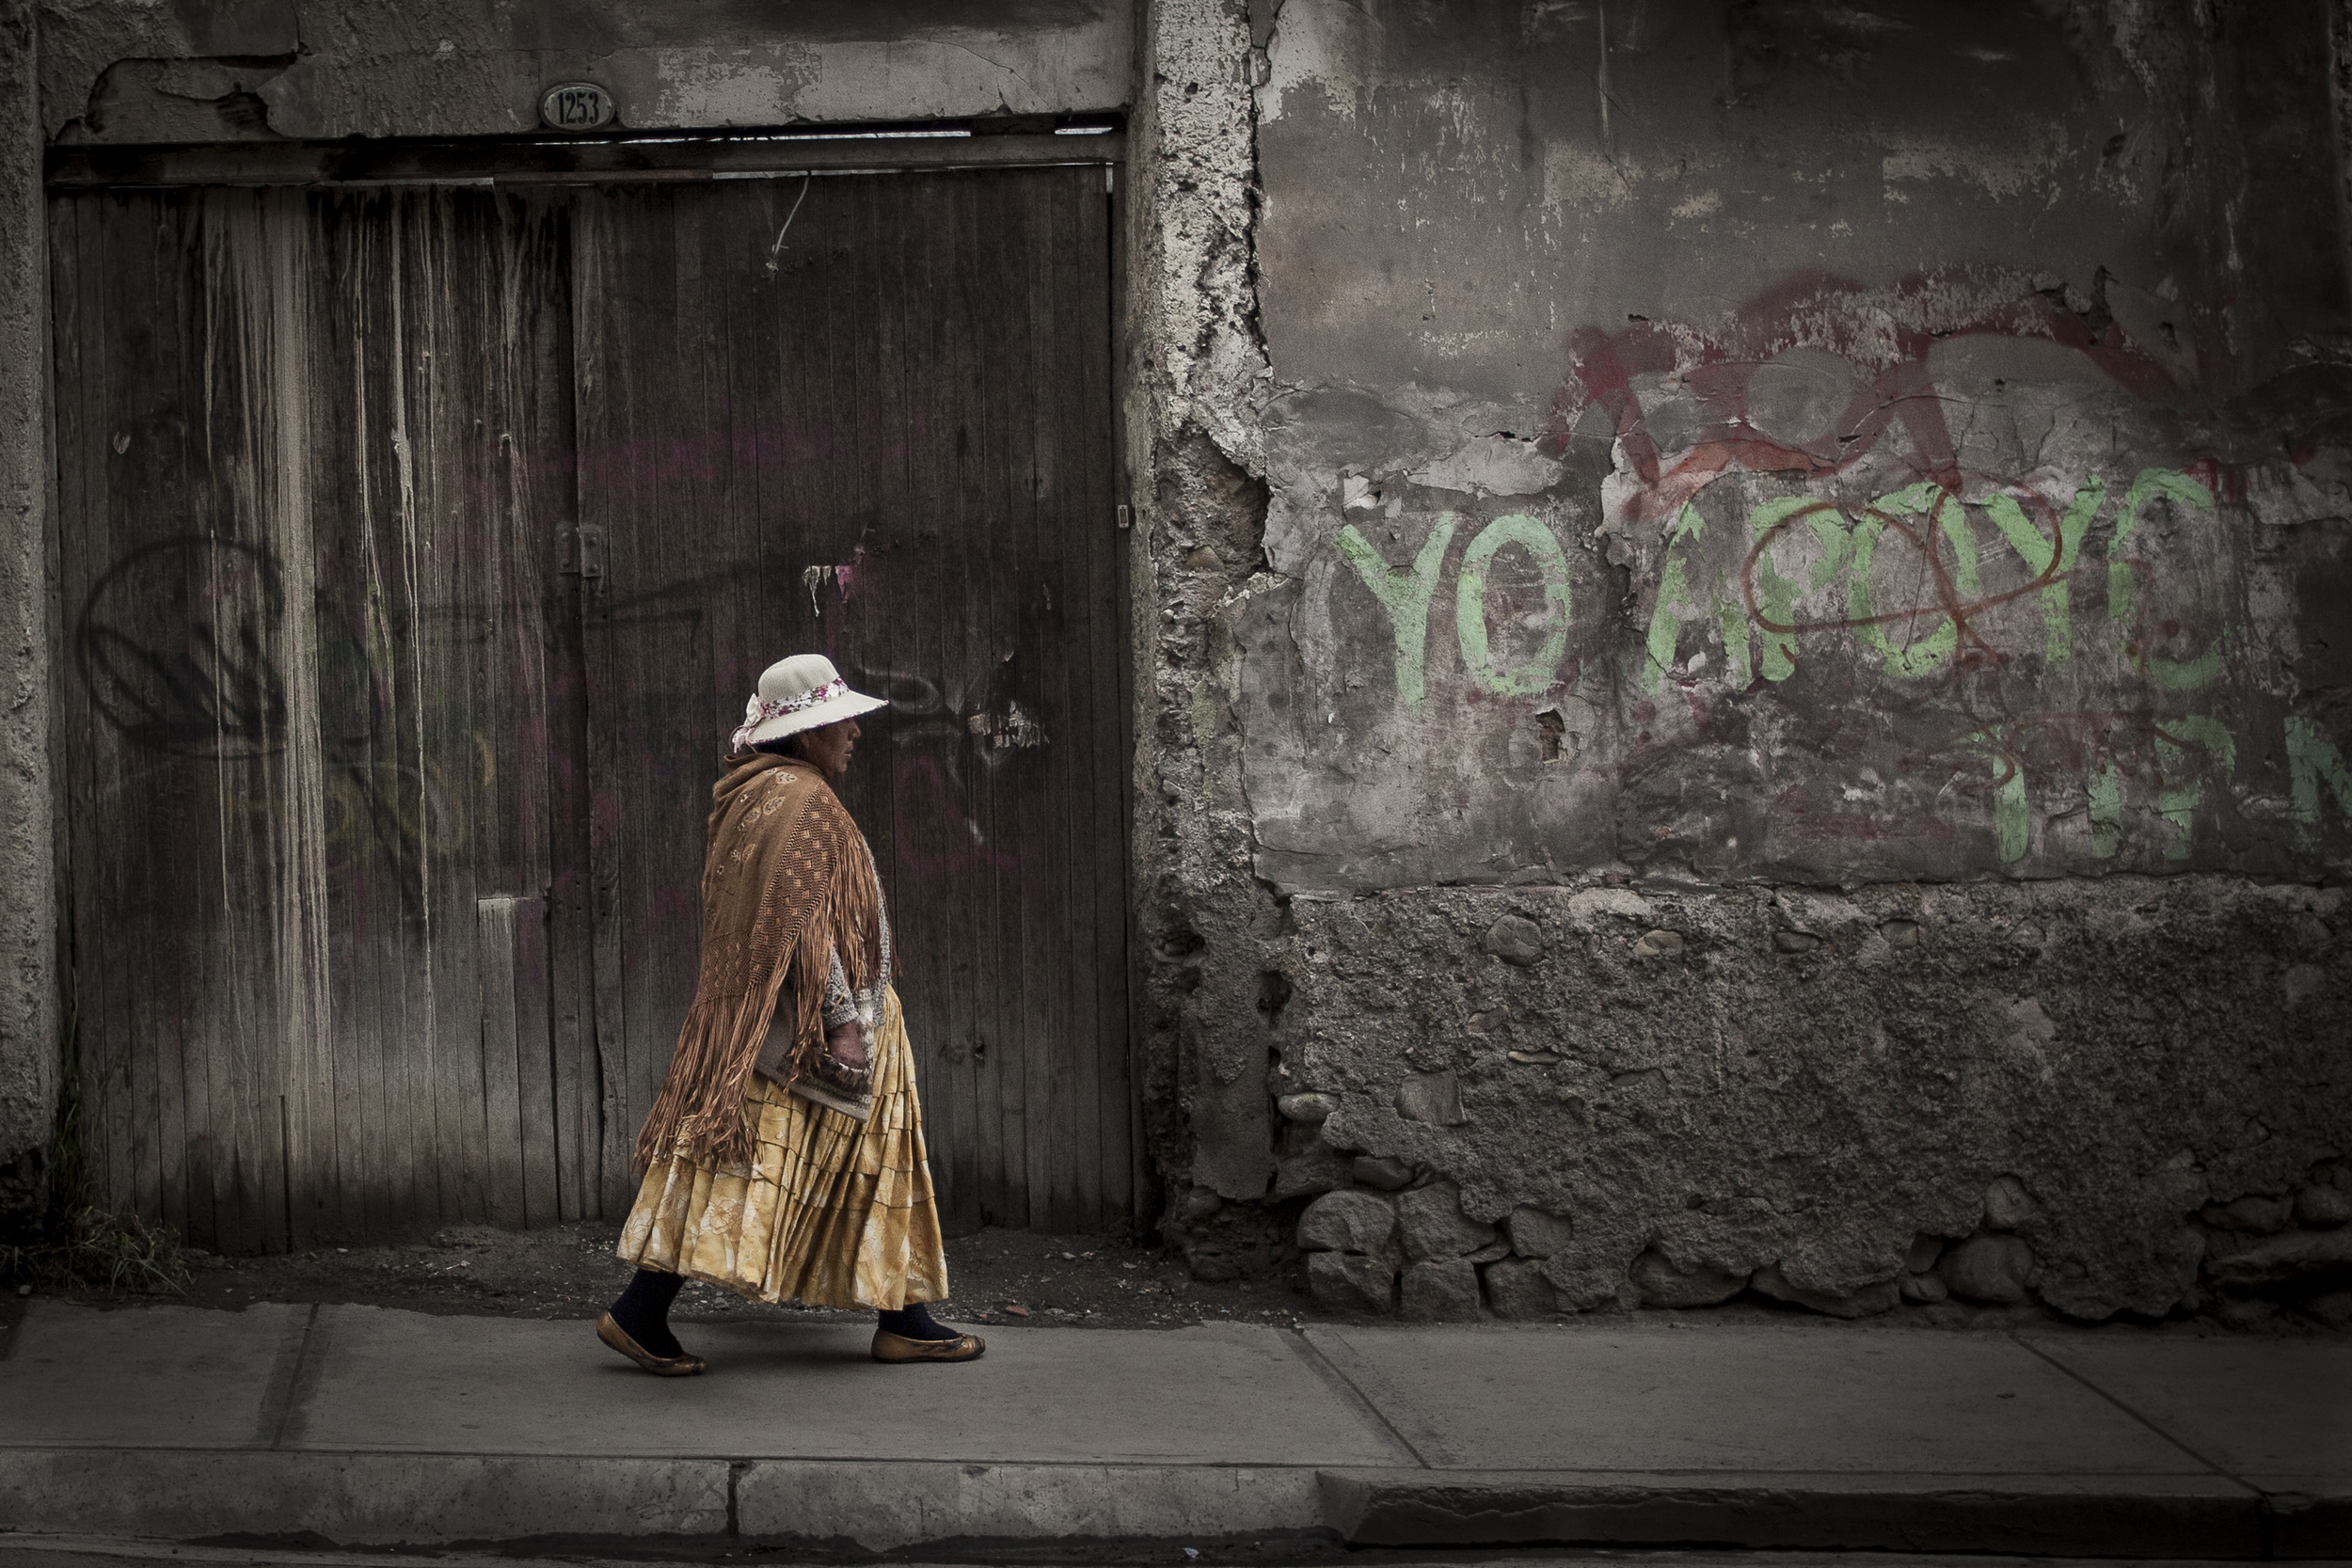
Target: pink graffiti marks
{"points": [[1902, 578], [1886, 333]]}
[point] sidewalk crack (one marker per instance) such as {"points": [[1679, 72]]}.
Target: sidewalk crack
{"points": [[294, 1378], [2148, 1422], [1354, 1382]]}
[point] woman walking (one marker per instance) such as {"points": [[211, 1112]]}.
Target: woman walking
{"points": [[783, 1157]]}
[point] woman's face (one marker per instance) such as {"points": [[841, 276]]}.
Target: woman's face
{"points": [[829, 747]]}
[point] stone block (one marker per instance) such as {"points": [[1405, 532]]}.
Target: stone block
{"points": [[1587, 1288], [1316, 1170], [1211, 1263], [2250, 1215], [2007, 1204], [1434, 1097], [1659, 944], [1347, 1222], [1442, 1291], [1990, 1269], [1661, 1284], [2323, 1204], [2276, 1260], [1518, 1289], [1514, 939], [1536, 1234], [1308, 1108], [1924, 1251], [1434, 1227], [1878, 1296], [1384, 1171], [2333, 1309], [1350, 1282], [1925, 1289]]}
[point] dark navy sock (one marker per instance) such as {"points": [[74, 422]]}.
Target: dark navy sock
{"points": [[643, 1310], [913, 1323]]}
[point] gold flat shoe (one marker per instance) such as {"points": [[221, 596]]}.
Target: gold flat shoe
{"points": [[898, 1350], [661, 1366]]}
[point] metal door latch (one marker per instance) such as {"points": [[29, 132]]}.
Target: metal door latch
{"points": [[586, 557]]}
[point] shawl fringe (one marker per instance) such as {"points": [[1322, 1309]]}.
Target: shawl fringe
{"points": [[788, 885]]}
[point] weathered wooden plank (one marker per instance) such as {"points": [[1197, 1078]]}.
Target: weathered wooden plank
{"points": [[79, 273], [927, 798], [571, 933], [496, 918], [386, 1151], [305, 692], [639, 482], [1069, 482], [1117, 1103], [534, 1066], [983, 676]]}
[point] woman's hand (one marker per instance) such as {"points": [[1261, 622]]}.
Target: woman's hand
{"points": [[847, 1044]]}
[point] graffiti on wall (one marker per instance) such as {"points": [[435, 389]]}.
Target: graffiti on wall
{"points": [[2060, 631]]}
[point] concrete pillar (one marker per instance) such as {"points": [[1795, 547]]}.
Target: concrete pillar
{"points": [[28, 901]]}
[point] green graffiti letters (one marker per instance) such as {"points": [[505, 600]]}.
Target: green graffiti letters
{"points": [[2311, 761], [1404, 595], [2127, 583], [2183, 783], [1673, 592], [1933, 525], [2051, 563], [2105, 791], [1542, 672]]}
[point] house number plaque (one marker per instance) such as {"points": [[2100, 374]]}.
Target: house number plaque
{"points": [[576, 106]]}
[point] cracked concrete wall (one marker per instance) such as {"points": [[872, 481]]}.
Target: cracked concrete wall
{"points": [[118, 71], [1929, 432], [1787, 713], [28, 986], [1196, 382]]}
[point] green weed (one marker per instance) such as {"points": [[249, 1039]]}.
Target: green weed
{"points": [[100, 1251]]}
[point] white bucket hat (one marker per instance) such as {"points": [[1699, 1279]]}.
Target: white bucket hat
{"points": [[802, 693]]}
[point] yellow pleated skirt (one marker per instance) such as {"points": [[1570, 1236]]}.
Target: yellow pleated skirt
{"points": [[832, 1211]]}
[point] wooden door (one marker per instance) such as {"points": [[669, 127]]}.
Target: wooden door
{"points": [[312, 726], [385, 831], [869, 416]]}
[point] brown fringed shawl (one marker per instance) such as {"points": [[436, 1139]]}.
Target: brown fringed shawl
{"points": [[788, 883]]}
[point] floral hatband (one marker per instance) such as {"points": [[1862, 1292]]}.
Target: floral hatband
{"points": [[757, 712]]}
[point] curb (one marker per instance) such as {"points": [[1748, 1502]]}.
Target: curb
{"points": [[2155, 1517], [400, 1499], [379, 1500]]}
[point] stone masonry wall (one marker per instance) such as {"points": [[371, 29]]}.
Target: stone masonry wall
{"points": [[1603, 1094]]}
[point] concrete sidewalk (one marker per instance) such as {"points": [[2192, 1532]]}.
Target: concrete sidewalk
{"points": [[362, 1426]]}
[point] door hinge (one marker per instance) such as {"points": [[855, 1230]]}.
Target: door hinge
{"points": [[1126, 517], [585, 558]]}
